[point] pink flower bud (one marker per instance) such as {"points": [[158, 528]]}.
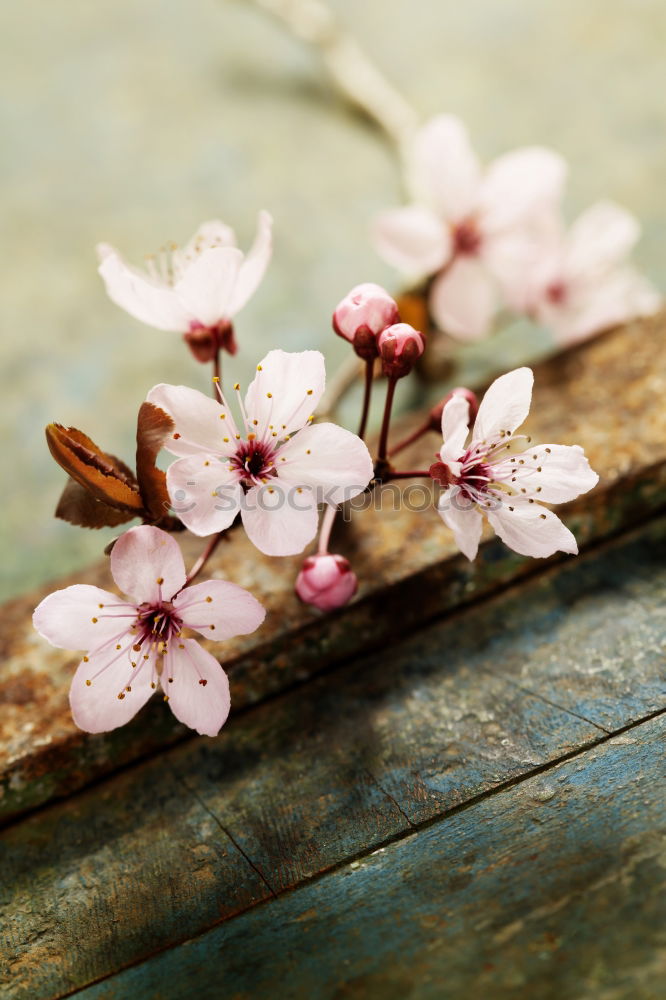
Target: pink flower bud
{"points": [[435, 415], [325, 581], [399, 347], [362, 315]]}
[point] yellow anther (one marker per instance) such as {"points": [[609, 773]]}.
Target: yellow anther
{"points": [[226, 441], [94, 621], [88, 683], [216, 378], [160, 580], [118, 645], [259, 368], [209, 599], [307, 451], [86, 659], [237, 386], [269, 395], [251, 437], [309, 392], [121, 696]]}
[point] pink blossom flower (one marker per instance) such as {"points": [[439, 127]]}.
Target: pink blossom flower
{"points": [[362, 315], [464, 224], [578, 282], [502, 475], [139, 643], [326, 581], [195, 291], [274, 467]]}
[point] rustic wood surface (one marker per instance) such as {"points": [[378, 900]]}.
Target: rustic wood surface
{"points": [[606, 395], [478, 835]]}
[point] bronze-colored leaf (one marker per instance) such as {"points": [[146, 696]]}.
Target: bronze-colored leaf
{"points": [[78, 506], [152, 429], [108, 479]]}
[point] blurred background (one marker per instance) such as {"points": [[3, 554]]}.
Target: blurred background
{"points": [[134, 120]]}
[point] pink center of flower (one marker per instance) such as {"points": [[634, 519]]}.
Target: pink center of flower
{"points": [[556, 293], [157, 623], [466, 238], [254, 462]]}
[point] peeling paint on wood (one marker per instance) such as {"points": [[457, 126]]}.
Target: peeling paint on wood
{"points": [[606, 395]]}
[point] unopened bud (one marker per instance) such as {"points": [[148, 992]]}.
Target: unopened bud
{"points": [[362, 315], [399, 347], [435, 415], [326, 582]]}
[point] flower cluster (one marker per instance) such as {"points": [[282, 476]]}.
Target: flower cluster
{"points": [[261, 459], [489, 239]]}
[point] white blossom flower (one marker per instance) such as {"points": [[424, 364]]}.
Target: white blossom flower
{"points": [[503, 476], [138, 644], [578, 282], [195, 290], [274, 467], [464, 224]]}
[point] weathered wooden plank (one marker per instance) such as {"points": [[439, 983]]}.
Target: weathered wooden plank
{"points": [[300, 784], [554, 888], [607, 395], [118, 872]]}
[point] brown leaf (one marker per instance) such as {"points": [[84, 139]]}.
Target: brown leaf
{"points": [[152, 429], [78, 506], [108, 479]]}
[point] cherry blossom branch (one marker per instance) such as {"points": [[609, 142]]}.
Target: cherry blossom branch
{"points": [[345, 377], [411, 474], [356, 77]]}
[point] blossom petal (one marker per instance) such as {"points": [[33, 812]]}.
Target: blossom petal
{"points": [[463, 300], [518, 185], [530, 529], [203, 707], [285, 391], [617, 297], [74, 618], [600, 237], [202, 423], [564, 473], [213, 233], [138, 294], [455, 427], [505, 405], [219, 610], [445, 172], [147, 563], [98, 682], [208, 282], [254, 266], [205, 493], [413, 240], [332, 460], [463, 518], [280, 521]]}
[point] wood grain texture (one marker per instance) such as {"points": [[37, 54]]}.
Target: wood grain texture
{"points": [[606, 395], [553, 888], [300, 784]]}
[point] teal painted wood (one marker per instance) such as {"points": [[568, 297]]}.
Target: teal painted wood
{"points": [[298, 785], [554, 888]]}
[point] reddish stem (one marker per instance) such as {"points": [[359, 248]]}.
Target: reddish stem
{"points": [[412, 474], [369, 377], [386, 420], [204, 557], [410, 439]]}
